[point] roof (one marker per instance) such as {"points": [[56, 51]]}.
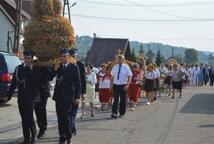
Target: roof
{"points": [[104, 50], [7, 15], [27, 6], [10, 8]]}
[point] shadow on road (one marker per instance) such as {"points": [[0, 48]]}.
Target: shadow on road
{"points": [[199, 104], [4, 105], [207, 126], [94, 119], [7, 142]]}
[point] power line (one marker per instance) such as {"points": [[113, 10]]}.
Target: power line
{"points": [[150, 5], [145, 20], [146, 7], [158, 11]]}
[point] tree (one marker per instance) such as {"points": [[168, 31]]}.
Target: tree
{"points": [[133, 56], [48, 31], [210, 59], [178, 58], [159, 58], [141, 51], [191, 56], [86, 58], [151, 57]]}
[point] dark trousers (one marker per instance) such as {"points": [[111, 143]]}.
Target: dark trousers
{"points": [[41, 113], [73, 117], [28, 123], [64, 121], [211, 80], [119, 99]]}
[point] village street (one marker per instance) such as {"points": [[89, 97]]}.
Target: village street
{"points": [[189, 120]]}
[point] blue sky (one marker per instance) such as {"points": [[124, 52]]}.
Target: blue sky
{"points": [[188, 23]]}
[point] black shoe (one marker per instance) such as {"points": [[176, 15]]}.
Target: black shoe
{"points": [[92, 115], [41, 134], [61, 142], [74, 133], [69, 141], [33, 140], [121, 116], [26, 142], [114, 116]]}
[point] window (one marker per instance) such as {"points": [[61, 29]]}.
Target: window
{"points": [[12, 62]]}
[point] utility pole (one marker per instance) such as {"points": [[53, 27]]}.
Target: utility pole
{"points": [[66, 4], [17, 26], [173, 51]]}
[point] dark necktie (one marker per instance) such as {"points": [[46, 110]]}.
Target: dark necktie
{"points": [[118, 74]]}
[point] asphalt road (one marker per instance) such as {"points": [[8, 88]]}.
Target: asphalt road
{"points": [[189, 120]]}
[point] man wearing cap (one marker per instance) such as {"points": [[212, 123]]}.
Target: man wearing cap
{"points": [[40, 107], [73, 53], [121, 78], [66, 92], [27, 78]]}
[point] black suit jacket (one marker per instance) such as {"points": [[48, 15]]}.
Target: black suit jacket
{"points": [[82, 76], [68, 84], [48, 74], [28, 82]]}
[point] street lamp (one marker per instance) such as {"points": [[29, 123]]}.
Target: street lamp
{"points": [[66, 3], [73, 4]]}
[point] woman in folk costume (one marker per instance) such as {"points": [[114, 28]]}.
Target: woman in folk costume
{"points": [[157, 81], [104, 86], [149, 83], [177, 80], [91, 80], [168, 80], [134, 90]]}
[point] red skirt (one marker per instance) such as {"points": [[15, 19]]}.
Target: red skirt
{"points": [[104, 95], [134, 92]]}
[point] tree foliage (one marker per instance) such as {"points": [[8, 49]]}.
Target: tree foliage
{"points": [[150, 57], [159, 58], [48, 31], [133, 55], [210, 59], [191, 56], [178, 58], [141, 51]]}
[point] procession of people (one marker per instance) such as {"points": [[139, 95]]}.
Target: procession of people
{"points": [[75, 85]]}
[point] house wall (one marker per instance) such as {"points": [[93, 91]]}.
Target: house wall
{"points": [[5, 27]]}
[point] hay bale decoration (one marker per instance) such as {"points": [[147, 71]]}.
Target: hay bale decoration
{"points": [[48, 31]]}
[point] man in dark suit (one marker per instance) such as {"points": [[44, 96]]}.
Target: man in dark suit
{"points": [[66, 92], [40, 107], [211, 75], [73, 53], [27, 78]]}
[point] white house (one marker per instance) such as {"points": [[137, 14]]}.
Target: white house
{"points": [[7, 23]]}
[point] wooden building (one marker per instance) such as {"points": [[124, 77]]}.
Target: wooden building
{"points": [[105, 49]]}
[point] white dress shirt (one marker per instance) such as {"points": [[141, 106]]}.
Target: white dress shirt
{"points": [[125, 72]]}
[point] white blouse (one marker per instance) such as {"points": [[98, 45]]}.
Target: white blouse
{"points": [[104, 81], [150, 75], [92, 78]]}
